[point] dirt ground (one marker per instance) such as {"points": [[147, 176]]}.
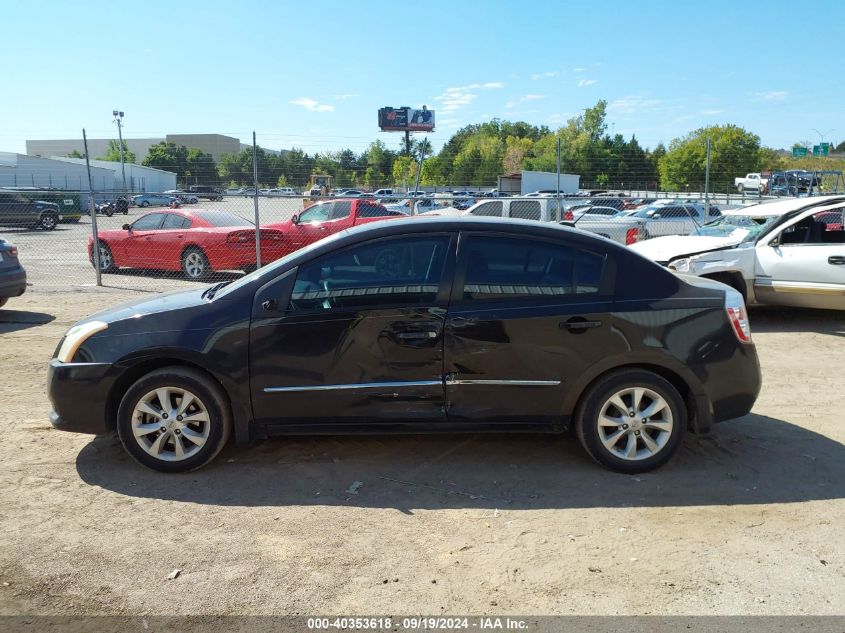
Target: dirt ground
{"points": [[746, 521]]}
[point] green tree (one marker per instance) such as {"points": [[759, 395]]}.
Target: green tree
{"points": [[113, 153], [404, 171], [200, 168], [168, 157], [733, 151], [432, 172]]}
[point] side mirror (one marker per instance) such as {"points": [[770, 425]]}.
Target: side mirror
{"points": [[127, 227], [775, 241], [294, 219]]}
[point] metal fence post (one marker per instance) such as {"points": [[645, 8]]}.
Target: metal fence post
{"points": [[255, 179], [95, 246]]}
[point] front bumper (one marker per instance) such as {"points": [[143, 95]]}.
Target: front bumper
{"points": [[79, 392], [12, 282]]}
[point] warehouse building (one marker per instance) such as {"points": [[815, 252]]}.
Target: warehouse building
{"points": [[19, 170], [214, 144], [138, 177], [70, 174]]}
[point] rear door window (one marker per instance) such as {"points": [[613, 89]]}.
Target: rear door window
{"points": [[511, 268], [525, 209], [489, 209]]}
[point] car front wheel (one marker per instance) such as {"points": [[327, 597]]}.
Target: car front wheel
{"points": [[174, 419], [631, 421]]}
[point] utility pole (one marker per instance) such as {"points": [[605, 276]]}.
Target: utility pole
{"points": [[707, 184], [419, 173], [118, 118], [92, 207], [255, 184], [558, 212]]}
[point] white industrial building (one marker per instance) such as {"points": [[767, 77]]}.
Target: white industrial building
{"points": [[138, 177], [69, 174], [19, 170]]}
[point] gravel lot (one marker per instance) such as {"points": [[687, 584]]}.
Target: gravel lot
{"points": [[746, 521]]}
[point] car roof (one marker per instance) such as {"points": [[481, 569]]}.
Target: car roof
{"points": [[780, 207]]}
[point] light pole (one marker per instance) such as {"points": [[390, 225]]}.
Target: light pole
{"points": [[821, 136], [118, 118]]}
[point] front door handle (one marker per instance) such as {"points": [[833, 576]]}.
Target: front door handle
{"points": [[578, 324], [416, 336], [836, 260]]}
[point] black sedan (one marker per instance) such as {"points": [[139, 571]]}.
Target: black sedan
{"points": [[12, 274], [418, 325]]}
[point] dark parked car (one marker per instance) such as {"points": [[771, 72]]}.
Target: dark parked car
{"points": [[205, 191], [16, 209], [12, 274], [435, 324]]}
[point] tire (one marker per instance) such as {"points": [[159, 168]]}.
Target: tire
{"points": [[144, 204], [109, 213], [664, 431], [199, 440], [48, 221], [107, 264], [195, 264], [3, 301], [740, 188]]}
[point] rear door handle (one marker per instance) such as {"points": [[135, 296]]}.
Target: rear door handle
{"points": [[836, 260], [578, 324], [416, 336]]}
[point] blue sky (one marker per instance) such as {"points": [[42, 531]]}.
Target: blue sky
{"points": [[313, 74]]}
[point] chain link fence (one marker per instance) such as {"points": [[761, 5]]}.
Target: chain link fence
{"points": [[157, 242]]}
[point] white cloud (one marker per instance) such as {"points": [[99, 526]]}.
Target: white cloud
{"points": [[711, 112], [631, 104], [587, 82], [532, 97], [459, 97], [771, 95], [579, 70], [343, 97], [537, 76], [313, 106]]}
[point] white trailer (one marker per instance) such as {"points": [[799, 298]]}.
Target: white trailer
{"points": [[531, 181]]}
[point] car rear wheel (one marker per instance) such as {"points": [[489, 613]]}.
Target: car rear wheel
{"points": [[3, 301], [144, 204], [174, 419], [195, 264], [107, 264], [740, 188], [631, 421], [48, 221]]}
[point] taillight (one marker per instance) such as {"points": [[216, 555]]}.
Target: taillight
{"points": [[735, 308], [568, 216], [13, 252], [632, 236]]}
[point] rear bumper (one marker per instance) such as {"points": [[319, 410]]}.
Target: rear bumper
{"points": [[78, 393], [12, 282], [734, 387]]}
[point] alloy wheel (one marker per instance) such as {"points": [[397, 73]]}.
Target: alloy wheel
{"points": [[171, 424], [194, 265], [635, 423]]}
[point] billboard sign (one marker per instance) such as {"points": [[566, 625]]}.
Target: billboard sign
{"points": [[406, 119]]}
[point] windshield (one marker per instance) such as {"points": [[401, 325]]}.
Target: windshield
{"points": [[744, 227]]}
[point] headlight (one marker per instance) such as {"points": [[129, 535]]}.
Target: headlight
{"points": [[76, 336], [681, 265]]}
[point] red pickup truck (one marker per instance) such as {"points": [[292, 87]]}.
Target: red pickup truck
{"points": [[327, 218]]}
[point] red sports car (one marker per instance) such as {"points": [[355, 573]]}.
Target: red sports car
{"points": [[196, 242]]}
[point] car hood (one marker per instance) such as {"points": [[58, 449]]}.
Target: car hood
{"points": [[664, 249], [149, 306]]}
